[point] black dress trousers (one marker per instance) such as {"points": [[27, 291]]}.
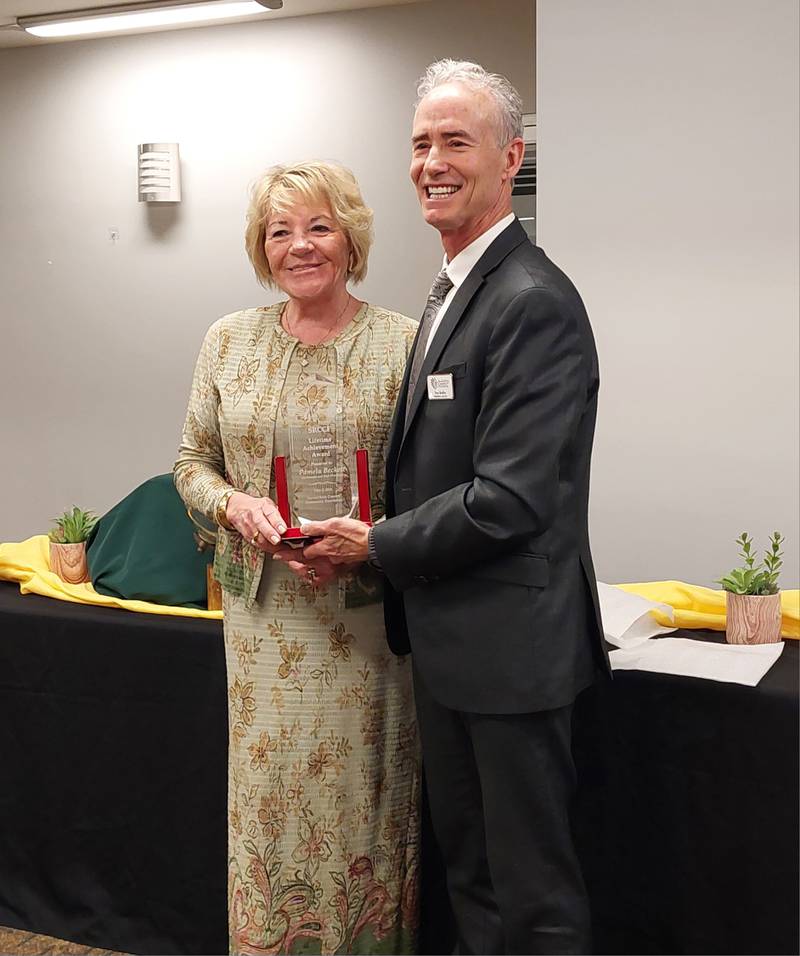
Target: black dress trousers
{"points": [[499, 788]]}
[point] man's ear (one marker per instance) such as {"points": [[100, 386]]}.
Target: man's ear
{"points": [[514, 154]]}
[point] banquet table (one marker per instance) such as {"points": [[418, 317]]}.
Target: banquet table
{"points": [[113, 749], [687, 813]]}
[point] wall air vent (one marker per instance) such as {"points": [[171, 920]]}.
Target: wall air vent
{"points": [[523, 196], [525, 180]]}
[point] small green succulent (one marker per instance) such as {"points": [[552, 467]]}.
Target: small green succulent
{"points": [[752, 578], [73, 526]]}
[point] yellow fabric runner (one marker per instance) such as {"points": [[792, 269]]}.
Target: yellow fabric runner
{"points": [[28, 562], [704, 607]]}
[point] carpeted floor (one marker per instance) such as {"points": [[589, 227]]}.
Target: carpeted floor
{"points": [[21, 943]]}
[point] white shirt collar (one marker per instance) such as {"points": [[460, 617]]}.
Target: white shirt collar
{"points": [[464, 262]]}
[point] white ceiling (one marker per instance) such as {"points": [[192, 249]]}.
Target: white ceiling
{"points": [[13, 36]]}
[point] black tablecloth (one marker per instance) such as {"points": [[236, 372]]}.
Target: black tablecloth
{"points": [[113, 756], [687, 816], [112, 792]]}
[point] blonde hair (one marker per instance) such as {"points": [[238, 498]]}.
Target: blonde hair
{"points": [[317, 181]]}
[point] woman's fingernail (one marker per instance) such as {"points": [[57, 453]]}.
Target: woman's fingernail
{"points": [[274, 539], [281, 528]]}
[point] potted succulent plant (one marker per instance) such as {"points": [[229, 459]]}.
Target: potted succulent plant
{"points": [[68, 545], [752, 597]]}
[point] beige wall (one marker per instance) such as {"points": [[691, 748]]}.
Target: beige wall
{"points": [[668, 189], [99, 338]]}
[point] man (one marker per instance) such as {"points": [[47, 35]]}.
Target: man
{"points": [[489, 578]]}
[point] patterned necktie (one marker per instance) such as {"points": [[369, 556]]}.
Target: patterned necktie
{"points": [[442, 284]]}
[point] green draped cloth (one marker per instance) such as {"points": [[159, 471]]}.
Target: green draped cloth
{"points": [[143, 549]]}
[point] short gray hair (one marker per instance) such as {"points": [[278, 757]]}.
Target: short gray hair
{"points": [[505, 96]]}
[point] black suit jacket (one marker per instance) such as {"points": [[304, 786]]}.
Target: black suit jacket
{"points": [[486, 554]]}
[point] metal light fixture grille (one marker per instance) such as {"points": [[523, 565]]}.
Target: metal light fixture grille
{"points": [[159, 172]]}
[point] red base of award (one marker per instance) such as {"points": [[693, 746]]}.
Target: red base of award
{"points": [[294, 535]]}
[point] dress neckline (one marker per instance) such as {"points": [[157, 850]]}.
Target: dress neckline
{"points": [[350, 330]]}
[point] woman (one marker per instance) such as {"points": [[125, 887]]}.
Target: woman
{"points": [[323, 763]]}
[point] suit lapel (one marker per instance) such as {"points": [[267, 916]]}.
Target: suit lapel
{"points": [[503, 245]]}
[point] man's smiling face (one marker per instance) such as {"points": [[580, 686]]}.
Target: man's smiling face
{"points": [[461, 173]]}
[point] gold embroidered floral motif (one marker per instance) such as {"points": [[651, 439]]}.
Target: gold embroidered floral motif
{"points": [[259, 752], [272, 815], [340, 642], [243, 701], [391, 387], [312, 402], [245, 380], [252, 443], [315, 843], [291, 655], [246, 649], [222, 350]]}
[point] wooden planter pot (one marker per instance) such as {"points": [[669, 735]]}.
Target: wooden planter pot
{"points": [[753, 618], [68, 561]]}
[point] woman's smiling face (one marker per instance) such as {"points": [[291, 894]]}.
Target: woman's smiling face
{"points": [[307, 251]]}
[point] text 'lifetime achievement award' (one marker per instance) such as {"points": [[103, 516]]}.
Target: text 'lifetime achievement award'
{"points": [[315, 482]]}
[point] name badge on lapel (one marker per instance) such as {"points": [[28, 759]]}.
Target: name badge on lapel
{"points": [[440, 386]]}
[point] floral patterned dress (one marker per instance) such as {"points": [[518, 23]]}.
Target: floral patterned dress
{"points": [[323, 784]]}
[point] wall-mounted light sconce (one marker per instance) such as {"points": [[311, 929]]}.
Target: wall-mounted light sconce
{"points": [[141, 15], [159, 172]]}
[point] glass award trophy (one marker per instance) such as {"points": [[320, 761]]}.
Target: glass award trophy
{"points": [[314, 482]]}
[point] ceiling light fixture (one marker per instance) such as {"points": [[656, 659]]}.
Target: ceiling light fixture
{"points": [[138, 16]]}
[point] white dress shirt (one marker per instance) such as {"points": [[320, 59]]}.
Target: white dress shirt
{"points": [[463, 264]]}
